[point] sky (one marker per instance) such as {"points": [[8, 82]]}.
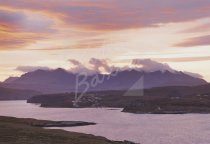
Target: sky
{"points": [[56, 33]]}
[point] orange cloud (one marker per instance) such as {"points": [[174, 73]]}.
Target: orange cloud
{"points": [[17, 29], [90, 43], [10, 41], [118, 14], [201, 28], [23, 16]]}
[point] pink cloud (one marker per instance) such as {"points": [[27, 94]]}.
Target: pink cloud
{"points": [[185, 59], [149, 65], [18, 30], [118, 14], [196, 41]]}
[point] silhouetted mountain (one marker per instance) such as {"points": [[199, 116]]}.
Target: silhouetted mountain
{"points": [[14, 94], [59, 80], [10, 79], [58, 76]]}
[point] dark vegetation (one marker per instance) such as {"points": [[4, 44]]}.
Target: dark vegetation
{"points": [[164, 100], [26, 131], [45, 123]]}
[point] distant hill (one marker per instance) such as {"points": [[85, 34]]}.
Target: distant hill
{"points": [[59, 80], [14, 94], [174, 99]]}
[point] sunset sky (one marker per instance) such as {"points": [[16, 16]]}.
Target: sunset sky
{"points": [[47, 33]]}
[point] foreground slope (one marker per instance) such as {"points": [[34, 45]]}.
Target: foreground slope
{"points": [[21, 131]]}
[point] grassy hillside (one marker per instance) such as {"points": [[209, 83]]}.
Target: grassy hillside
{"points": [[20, 131]]}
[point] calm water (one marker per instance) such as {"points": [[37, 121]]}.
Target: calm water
{"points": [[115, 125]]}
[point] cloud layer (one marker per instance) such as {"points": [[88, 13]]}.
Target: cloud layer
{"points": [[103, 66], [196, 41], [17, 29], [118, 14], [96, 66], [149, 65], [185, 59], [24, 22]]}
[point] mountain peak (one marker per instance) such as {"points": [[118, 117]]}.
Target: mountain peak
{"points": [[10, 79], [60, 70], [60, 80]]}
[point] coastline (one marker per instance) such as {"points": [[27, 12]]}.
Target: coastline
{"points": [[24, 131]]}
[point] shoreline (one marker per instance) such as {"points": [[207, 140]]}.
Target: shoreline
{"points": [[25, 130]]}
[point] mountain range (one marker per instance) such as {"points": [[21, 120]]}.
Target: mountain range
{"points": [[60, 80]]}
